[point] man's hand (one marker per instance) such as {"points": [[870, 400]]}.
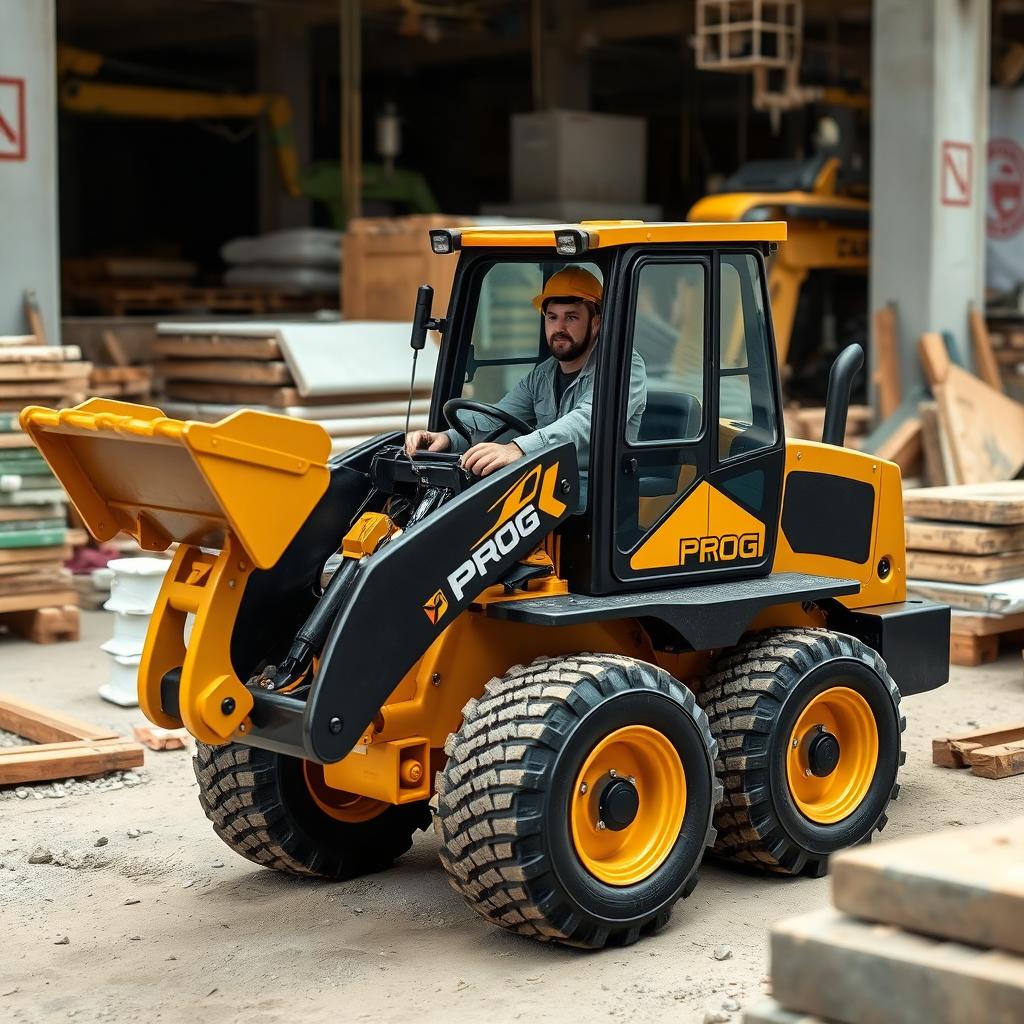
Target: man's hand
{"points": [[484, 459], [426, 439]]}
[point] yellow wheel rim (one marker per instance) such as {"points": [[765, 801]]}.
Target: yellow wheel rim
{"points": [[646, 760], [336, 803], [847, 716]]}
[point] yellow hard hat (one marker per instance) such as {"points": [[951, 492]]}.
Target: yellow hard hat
{"points": [[574, 282]]}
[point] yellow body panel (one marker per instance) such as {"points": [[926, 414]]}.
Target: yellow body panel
{"points": [[603, 234], [887, 530], [128, 467]]}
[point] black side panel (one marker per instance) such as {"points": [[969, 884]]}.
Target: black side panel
{"points": [[403, 597], [277, 600], [828, 515], [912, 637], [701, 616]]}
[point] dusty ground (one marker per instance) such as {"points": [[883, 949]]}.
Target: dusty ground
{"points": [[169, 925]]}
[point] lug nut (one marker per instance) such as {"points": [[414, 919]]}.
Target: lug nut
{"points": [[613, 773], [583, 788], [807, 771], [601, 826], [796, 743], [632, 780]]}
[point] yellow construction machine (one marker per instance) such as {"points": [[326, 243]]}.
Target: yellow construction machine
{"points": [[818, 278], [587, 688]]}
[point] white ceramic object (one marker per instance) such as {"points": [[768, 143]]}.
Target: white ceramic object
{"points": [[122, 688], [135, 584]]}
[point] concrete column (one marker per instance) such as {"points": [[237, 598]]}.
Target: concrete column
{"points": [[929, 108], [29, 255], [284, 69]]}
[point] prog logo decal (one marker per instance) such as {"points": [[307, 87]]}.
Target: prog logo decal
{"points": [[721, 549], [435, 608], [517, 519]]}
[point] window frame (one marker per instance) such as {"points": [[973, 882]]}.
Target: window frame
{"points": [[705, 261]]}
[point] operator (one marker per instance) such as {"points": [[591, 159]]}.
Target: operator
{"points": [[558, 393]]}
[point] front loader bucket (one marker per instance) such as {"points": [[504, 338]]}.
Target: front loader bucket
{"points": [[126, 467]]}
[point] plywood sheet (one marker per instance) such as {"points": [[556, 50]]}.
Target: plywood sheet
{"points": [[999, 503]]}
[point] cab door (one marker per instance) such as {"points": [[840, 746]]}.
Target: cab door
{"points": [[699, 471]]}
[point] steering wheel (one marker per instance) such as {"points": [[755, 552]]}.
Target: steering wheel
{"points": [[508, 421]]}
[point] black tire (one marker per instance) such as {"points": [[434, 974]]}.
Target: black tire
{"points": [[753, 700], [504, 798], [261, 806]]}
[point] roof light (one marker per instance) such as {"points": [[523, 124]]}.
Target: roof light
{"points": [[443, 241], [570, 243]]}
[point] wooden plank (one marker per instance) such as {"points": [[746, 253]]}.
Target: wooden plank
{"points": [[48, 389], [16, 556], [243, 395], [887, 376], [996, 503], [40, 354], [998, 762], [20, 568], [985, 428], [34, 317], [985, 624], [903, 447], [952, 751], [114, 349], [68, 760], [15, 439], [120, 374], [30, 513], [15, 372], [931, 446], [947, 568], [984, 358], [31, 602], [43, 725], [963, 884], [216, 347], [230, 371], [963, 538], [856, 972], [17, 340], [33, 582], [934, 356]]}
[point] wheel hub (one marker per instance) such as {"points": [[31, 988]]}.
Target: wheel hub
{"points": [[618, 804], [823, 754]]}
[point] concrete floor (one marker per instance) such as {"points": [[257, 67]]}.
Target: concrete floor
{"points": [[212, 936]]}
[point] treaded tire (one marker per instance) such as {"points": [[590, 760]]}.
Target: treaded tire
{"points": [[261, 807], [753, 699], [504, 798]]}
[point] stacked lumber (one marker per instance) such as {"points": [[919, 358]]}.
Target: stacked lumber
{"points": [[922, 929], [34, 542], [351, 378], [1006, 336], [965, 548]]}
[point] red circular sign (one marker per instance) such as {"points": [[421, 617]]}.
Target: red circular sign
{"points": [[1005, 214]]}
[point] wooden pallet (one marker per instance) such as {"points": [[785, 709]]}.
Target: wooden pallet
{"points": [[993, 753], [43, 618], [62, 747], [975, 638]]}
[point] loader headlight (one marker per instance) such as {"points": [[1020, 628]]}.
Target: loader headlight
{"points": [[443, 241], [570, 243]]}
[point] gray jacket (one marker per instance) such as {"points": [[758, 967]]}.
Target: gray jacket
{"points": [[533, 400]]}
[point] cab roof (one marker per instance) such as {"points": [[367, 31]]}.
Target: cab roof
{"points": [[574, 239]]}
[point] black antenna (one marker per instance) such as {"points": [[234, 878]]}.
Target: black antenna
{"points": [[422, 322]]}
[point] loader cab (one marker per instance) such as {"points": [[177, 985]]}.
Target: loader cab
{"points": [[692, 493]]}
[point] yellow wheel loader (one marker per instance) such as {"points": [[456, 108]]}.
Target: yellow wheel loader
{"points": [[589, 667]]}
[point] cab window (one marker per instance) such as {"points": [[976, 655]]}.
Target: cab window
{"points": [[507, 340], [746, 393]]}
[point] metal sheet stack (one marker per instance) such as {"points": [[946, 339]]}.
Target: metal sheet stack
{"points": [[924, 929], [965, 547], [353, 378]]}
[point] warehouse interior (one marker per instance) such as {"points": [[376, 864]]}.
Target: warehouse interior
{"points": [[803, 220]]}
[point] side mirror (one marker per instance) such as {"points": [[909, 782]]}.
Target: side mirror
{"points": [[421, 321]]}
